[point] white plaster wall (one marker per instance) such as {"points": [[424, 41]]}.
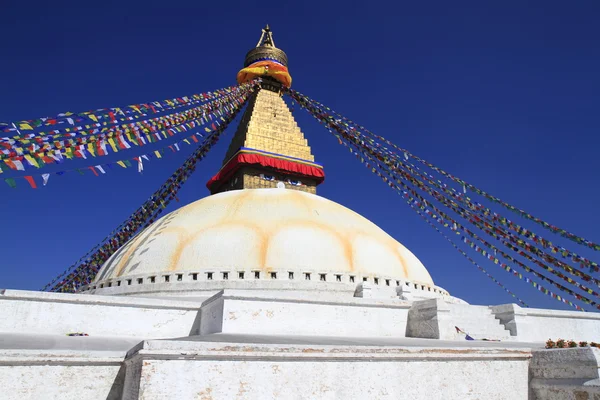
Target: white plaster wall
{"points": [[565, 374], [62, 382], [51, 313], [231, 312], [333, 380], [539, 325], [65, 376], [333, 373]]}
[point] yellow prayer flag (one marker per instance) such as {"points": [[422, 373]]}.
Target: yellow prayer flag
{"points": [[122, 164], [112, 143], [25, 127], [207, 130], [187, 141], [91, 149], [31, 160], [93, 117], [157, 154]]}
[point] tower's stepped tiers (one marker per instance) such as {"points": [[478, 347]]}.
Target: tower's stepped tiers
{"points": [[268, 125], [267, 128]]}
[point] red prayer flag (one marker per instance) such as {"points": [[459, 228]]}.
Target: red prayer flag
{"points": [[29, 179]]}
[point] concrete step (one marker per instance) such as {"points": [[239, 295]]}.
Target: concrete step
{"points": [[485, 332], [463, 309], [482, 327]]}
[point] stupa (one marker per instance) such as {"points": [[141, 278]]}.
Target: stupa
{"points": [[265, 290]]}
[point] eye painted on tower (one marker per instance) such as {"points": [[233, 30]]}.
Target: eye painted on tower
{"points": [[267, 177]]}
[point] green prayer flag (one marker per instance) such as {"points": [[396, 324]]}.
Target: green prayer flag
{"points": [[11, 182]]}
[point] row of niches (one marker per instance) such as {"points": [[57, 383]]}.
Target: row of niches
{"points": [[261, 275]]}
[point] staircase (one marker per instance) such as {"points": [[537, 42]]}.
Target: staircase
{"points": [[436, 319], [478, 322]]}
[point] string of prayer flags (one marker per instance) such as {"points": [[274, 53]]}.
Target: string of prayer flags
{"points": [[303, 100], [69, 120], [416, 205], [100, 168], [393, 166], [85, 269], [464, 254], [49, 150]]}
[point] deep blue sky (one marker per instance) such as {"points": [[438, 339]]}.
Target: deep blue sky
{"points": [[504, 95]]}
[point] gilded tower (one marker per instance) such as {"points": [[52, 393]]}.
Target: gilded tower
{"points": [[268, 149]]}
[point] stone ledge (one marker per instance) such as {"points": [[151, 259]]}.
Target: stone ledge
{"points": [[66, 357], [89, 299], [171, 349], [230, 294]]}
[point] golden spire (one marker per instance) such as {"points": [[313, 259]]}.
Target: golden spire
{"points": [[266, 39], [265, 50], [269, 149]]}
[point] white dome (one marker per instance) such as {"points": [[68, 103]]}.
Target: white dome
{"points": [[265, 230]]}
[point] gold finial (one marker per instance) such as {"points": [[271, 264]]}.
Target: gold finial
{"points": [[265, 50], [266, 38]]}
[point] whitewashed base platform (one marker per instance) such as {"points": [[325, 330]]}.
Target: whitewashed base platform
{"points": [[210, 370]]}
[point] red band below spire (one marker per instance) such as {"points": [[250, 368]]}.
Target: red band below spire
{"points": [[278, 162]]}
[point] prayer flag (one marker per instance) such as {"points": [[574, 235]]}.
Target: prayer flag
{"points": [[11, 182], [29, 179]]}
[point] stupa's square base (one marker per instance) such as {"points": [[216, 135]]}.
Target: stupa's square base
{"points": [[233, 367]]}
